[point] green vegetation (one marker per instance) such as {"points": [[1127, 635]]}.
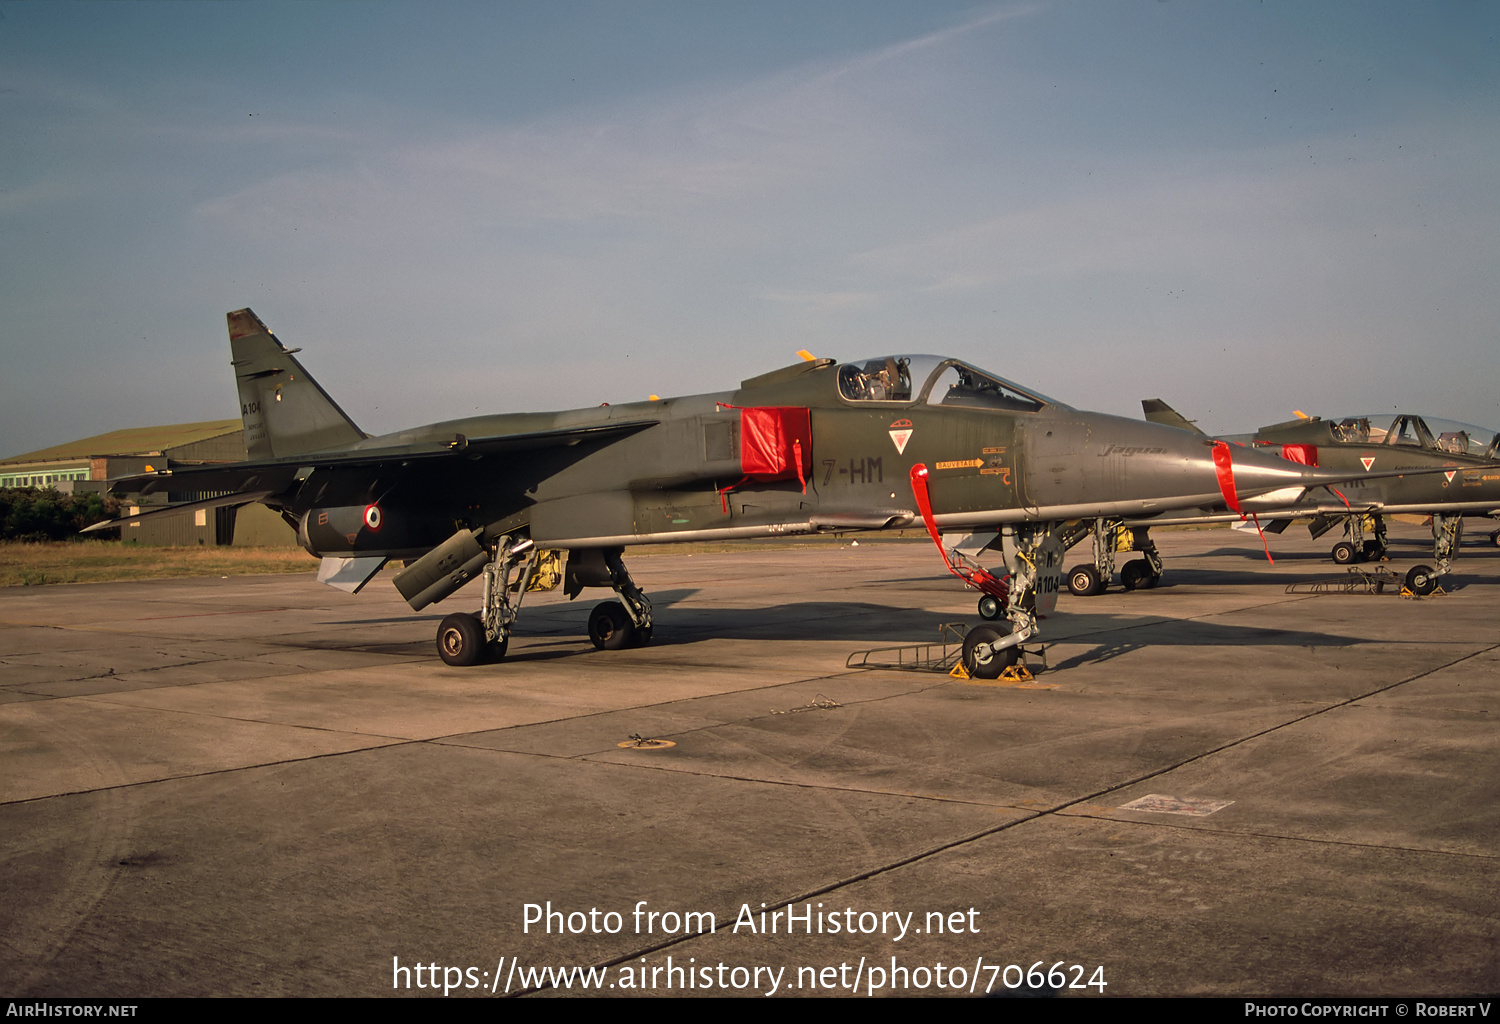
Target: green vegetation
{"points": [[32, 564], [37, 513]]}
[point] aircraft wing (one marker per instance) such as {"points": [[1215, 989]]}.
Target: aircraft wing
{"points": [[238, 498], [272, 476], [1206, 517], [1478, 508]]}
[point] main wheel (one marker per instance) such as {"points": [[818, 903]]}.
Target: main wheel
{"points": [[1374, 552], [1085, 581], [610, 628], [1344, 553], [1137, 575], [495, 651], [989, 607], [997, 663], [460, 640], [1495, 538], [1421, 580]]}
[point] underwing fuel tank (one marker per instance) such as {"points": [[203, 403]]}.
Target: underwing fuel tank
{"points": [[1073, 457], [350, 529], [442, 570]]}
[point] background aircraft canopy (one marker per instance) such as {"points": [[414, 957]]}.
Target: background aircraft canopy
{"points": [[1430, 432]]}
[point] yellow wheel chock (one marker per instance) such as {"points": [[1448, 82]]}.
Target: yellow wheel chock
{"points": [[1017, 673]]}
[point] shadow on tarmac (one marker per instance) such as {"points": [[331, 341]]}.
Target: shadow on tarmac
{"points": [[854, 622]]}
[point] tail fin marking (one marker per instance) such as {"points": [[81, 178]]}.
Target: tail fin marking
{"points": [[285, 411]]}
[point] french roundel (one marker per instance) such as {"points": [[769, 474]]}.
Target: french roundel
{"points": [[372, 518]]}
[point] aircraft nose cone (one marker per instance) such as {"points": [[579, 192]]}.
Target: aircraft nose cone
{"points": [[1242, 472], [1081, 461], [1237, 472]]}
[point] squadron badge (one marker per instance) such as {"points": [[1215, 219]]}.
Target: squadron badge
{"points": [[900, 433]]}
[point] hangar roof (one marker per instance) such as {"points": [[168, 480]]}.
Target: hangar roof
{"points": [[131, 441]]}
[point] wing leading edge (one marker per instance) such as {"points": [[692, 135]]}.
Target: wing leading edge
{"points": [[260, 479]]}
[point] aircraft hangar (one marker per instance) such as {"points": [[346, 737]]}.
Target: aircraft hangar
{"points": [[84, 465]]}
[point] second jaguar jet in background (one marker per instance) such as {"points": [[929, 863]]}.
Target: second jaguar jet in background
{"points": [[1397, 464]]}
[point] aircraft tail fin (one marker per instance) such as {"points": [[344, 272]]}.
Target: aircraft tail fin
{"points": [[285, 411], [1158, 411]]}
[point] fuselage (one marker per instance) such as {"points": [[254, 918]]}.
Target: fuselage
{"points": [[996, 452]]}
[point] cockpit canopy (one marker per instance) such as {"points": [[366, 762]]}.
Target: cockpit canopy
{"points": [[935, 381], [1431, 433]]}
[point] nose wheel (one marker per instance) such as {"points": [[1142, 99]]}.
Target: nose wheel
{"points": [[1421, 580], [980, 660]]}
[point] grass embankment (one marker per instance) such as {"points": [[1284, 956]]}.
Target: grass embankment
{"points": [[32, 564], [28, 564], [823, 540], [25, 564]]}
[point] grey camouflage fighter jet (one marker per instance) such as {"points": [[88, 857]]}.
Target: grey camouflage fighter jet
{"points": [[1397, 464], [992, 469]]}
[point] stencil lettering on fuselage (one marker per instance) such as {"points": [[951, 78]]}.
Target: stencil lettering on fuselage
{"points": [[858, 471]]}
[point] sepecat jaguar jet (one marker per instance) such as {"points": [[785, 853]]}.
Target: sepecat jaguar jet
{"points": [[992, 469], [1398, 463]]}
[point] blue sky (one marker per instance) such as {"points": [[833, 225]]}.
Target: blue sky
{"points": [[1243, 208]]}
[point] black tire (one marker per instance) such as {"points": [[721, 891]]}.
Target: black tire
{"points": [[1152, 578], [1495, 538], [496, 650], [1136, 575], [460, 640], [1085, 581], [1421, 580], [998, 663], [610, 628], [1344, 553], [1373, 551], [990, 607], [643, 636]]}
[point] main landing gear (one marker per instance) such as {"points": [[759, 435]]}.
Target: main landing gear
{"points": [[461, 641], [1111, 536], [470, 639], [1355, 548], [464, 639], [615, 625]]}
